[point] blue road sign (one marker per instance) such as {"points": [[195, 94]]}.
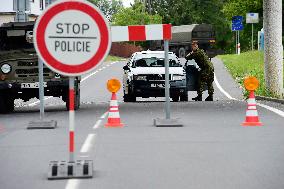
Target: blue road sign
{"points": [[237, 23]]}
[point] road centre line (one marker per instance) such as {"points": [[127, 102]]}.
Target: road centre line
{"points": [[275, 110], [72, 184], [97, 124], [88, 143]]}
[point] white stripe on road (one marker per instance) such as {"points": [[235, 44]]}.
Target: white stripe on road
{"points": [[88, 143], [72, 184], [97, 124], [90, 75], [279, 112], [82, 80], [104, 115], [221, 89]]}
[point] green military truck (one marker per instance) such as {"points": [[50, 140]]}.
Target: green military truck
{"points": [[184, 35], [19, 69]]}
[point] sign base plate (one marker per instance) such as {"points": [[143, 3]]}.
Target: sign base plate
{"points": [[167, 122], [42, 125], [68, 170]]}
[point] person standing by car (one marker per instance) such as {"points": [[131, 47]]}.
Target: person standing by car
{"points": [[206, 76]]}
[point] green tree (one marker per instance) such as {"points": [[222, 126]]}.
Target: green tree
{"points": [[135, 15], [241, 8], [108, 7], [179, 12]]}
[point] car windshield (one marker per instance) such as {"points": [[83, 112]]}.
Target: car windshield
{"points": [[155, 62]]}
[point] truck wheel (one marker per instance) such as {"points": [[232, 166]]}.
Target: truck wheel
{"points": [[184, 97], [175, 98], [181, 52], [6, 103]]}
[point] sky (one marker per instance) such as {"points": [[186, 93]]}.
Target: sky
{"points": [[126, 3]]}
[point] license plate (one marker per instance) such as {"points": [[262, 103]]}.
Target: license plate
{"points": [[156, 85], [32, 85]]}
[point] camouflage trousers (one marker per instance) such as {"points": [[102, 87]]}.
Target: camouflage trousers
{"points": [[205, 79]]}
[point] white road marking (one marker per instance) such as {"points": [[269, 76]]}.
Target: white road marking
{"points": [[82, 80], [72, 184], [104, 115], [275, 110], [88, 143], [87, 77], [279, 112], [97, 124], [85, 156], [221, 89]]}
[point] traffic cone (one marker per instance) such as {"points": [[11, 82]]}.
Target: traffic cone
{"points": [[251, 112], [113, 114]]}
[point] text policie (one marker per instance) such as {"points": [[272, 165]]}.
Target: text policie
{"points": [[72, 31]]}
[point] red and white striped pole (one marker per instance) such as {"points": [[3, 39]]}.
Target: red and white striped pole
{"points": [[71, 119]]}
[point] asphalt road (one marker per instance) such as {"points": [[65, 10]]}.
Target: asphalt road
{"points": [[212, 149]]}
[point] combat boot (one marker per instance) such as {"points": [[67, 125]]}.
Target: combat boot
{"points": [[209, 98], [198, 98]]}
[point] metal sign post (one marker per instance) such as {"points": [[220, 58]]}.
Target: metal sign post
{"points": [[168, 122], [252, 37], [167, 79], [72, 38], [237, 25], [41, 88], [71, 119], [252, 18]]}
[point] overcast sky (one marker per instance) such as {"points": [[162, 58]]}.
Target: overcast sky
{"points": [[126, 3], [6, 6]]}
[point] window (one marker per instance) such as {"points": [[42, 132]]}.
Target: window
{"points": [[41, 4]]}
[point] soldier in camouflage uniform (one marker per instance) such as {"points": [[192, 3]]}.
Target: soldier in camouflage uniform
{"points": [[206, 76]]}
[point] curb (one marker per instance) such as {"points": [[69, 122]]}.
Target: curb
{"points": [[270, 99]]}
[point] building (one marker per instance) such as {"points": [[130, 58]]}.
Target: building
{"points": [[7, 13]]}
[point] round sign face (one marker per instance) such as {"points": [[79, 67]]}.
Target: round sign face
{"points": [[251, 83], [72, 37], [113, 85]]}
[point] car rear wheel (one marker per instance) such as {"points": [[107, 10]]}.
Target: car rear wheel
{"points": [[184, 97], [175, 98]]}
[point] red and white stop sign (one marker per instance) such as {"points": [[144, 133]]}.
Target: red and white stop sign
{"points": [[72, 37]]}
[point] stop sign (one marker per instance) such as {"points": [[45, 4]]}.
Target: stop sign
{"points": [[72, 37]]}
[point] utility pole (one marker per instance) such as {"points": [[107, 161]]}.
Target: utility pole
{"points": [[273, 49]]}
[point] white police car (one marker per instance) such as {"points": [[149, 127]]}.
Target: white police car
{"points": [[144, 76]]}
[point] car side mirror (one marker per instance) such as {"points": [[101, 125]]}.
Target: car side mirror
{"points": [[126, 68]]}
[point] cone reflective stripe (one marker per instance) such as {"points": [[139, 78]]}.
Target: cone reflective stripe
{"points": [[113, 114], [252, 118]]}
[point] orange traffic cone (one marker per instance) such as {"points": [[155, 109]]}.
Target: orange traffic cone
{"points": [[251, 112], [113, 114]]}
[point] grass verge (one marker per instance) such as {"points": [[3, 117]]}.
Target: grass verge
{"points": [[113, 58], [247, 64]]}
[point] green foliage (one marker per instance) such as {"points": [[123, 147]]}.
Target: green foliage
{"points": [[247, 64], [108, 7], [241, 8], [179, 12], [135, 15]]}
